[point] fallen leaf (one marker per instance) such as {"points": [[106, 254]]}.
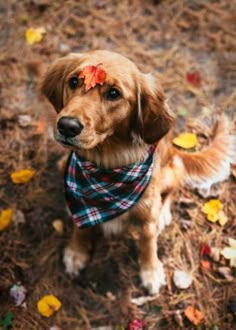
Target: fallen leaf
{"points": [[18, 294], [226, 272], [205, 264], [136, 325], [139, 301], [40, 126], [215, 254], [222, 218], [232, 242], [6, 321], [93, 75], [58, 225], [182, 280], [185, 140], [214, 211], [205, 250], [230, 254], [34, 35], [24, 120], [5, 218], [193, 78], [18, 217], [54, 327], [22, 176], [206, 111], [194, 315], [181, 111], [48, 305], [110, 296]]}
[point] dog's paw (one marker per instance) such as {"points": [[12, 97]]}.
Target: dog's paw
{"points": [[153, 279], [74, 261]]}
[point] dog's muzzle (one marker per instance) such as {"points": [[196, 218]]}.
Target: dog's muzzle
{"points": [[69, 127]]}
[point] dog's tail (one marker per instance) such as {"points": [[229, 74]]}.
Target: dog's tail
{"points": [[204, 168]]}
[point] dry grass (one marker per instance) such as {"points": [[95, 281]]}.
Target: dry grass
{"points": [[172, 37]]}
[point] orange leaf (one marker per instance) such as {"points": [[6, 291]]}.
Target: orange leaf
{"points": [[194, 315], [40, 126], [93, 75], [205, 264]]}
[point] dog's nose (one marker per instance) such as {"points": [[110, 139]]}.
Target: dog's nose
{"points": [[69, 126]]}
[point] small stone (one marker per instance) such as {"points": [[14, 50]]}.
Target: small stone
{"points": [[58, 225], [18, 294], [18, 217], [182, 280], [226, 273], [24, 121], [64, 48]]}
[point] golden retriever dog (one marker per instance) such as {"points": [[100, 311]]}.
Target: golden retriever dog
{"points": [[123, 168]]}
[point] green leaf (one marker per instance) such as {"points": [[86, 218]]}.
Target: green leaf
{"points": [[7, 320], [157, 309]]}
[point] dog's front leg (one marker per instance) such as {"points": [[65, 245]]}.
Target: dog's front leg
{"points": [[151, 268], [78, 251]]}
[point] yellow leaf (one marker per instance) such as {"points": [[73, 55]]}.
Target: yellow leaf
{"points": [[185, 140], [194, 315], [213, 210], [22, 176], [33, 35], [48, 305], [5, 218]]}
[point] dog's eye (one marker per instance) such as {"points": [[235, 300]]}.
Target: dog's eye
{"points": [[112, 94], [73, 82]]}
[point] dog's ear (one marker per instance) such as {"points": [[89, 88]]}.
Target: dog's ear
{"points": [[153, 117], [52, 84]]}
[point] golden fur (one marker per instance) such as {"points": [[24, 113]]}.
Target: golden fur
{"points": [[117, 133]]}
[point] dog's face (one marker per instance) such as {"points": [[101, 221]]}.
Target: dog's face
{"points": [[128, 104]]}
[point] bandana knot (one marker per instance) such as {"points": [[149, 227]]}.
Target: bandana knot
{"points": [[95, 195]]}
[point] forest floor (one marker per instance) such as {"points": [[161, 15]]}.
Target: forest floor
{"points": [[192, 44]]}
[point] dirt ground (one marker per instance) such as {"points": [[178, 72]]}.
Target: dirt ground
{"points": [[175, 38]]}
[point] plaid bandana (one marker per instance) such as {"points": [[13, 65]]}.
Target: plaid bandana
{"points": [[95, 195]]}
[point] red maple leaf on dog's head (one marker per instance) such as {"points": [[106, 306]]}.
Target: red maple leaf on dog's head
{"points": [[93, 75]]}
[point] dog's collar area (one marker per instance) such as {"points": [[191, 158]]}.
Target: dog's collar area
{"points": [[95, 195]]}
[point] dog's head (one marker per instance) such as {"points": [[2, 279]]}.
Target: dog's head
{"points": [[124, 105]]}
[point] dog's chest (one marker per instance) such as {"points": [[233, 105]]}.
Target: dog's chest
{"points": [[113, 227]]}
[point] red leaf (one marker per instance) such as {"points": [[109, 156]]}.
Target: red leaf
{"points": [[193, 78], [205, 250], [136, 325], [93, 75]]}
